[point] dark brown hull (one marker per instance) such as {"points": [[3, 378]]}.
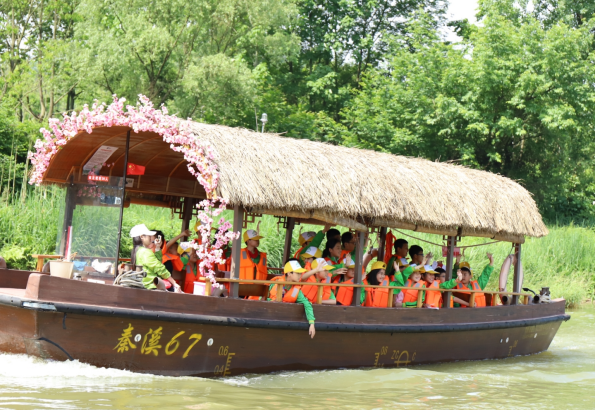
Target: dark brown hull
{"points": [[187, 335]]}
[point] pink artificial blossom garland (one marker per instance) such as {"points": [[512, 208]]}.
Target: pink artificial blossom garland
{"points": [[200, 157]]}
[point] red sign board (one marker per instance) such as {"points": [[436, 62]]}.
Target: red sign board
{"points": [[97, 178]]}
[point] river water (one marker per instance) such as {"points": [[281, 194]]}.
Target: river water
{"points": [[562, 377]]}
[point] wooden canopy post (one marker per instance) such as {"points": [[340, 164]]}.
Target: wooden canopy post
{"points": [[187, 214], [69, 206], [359, 255], [381, 243], [288, 237], [125, 173], [517, 285], [452, 241], [238, 220]]}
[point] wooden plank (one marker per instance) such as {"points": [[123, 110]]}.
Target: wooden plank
{"points": [[391, 293], [381, 243], [472, 300], [288, 237], [279, 296], [517, 285], [319, 295], [420, 300]]}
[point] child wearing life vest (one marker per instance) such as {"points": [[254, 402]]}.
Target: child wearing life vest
{"points": [[292, 272], [332, 251], [376, 297], [253, 263], [310, 238], [408, 297], [321, 269], [479, 284], [441, 278], [400, 257], [344, 294], [309, 255], [433, 298]]}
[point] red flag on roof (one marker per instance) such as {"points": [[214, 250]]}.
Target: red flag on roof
{"points": [[134, 169]]}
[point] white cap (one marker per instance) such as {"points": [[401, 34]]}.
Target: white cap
{"points": [[139, 230]]}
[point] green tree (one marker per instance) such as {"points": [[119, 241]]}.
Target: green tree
{"points": [[517, 99]]}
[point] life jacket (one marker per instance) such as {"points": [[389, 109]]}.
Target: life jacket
{"points": [[344, 254], [480, 297], [191, 277], [273, 289], [310, 291], [175, 260], [225, 266], [251, 270], [388, 246], [434, 297], [410, 295], [377, 297], [292, 294], [344, 293]]}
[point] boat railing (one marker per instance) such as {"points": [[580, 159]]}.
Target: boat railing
{"points": [[391, 289]]}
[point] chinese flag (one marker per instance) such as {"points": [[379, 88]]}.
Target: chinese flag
{"points": [[134, 169]]}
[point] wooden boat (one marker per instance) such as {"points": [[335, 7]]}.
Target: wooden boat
{"points": [[192, 335]]}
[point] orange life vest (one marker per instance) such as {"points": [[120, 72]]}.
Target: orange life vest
{"points": [[344, 293], [175, 260], [273, 290], [480, 297], [251, 270], [434, 297], [332, 262], [411, 294], [191, 277], [310, 291], [377, 297], [292, 294]]}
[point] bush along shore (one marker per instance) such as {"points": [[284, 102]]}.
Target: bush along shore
{"points": [[563, 260]]}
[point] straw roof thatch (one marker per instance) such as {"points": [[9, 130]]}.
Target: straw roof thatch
{"points": [[355, 187]]}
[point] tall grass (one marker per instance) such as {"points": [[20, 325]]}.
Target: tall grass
{"points": [[563, 260]]}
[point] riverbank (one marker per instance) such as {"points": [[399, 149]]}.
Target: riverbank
{"points": [[563, 260]]}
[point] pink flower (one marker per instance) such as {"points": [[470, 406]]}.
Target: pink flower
{"points": [[144, 117]]}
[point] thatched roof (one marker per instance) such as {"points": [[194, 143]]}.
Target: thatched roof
{"points": [[280, 175]]}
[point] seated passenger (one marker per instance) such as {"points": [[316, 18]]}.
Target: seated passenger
{"points": [[479, 284], [348, 242], [441, 278], [190, 261], [143, 256], [292, 272], [170, 257], [408, 297], [376, 297], [433, 298], [253, 263], [344, 294], [309, 255], [321, 275], [400, 256], [332, 252], [308, 239]]}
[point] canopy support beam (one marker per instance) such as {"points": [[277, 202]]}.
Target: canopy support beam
{"points": [[238, 221], [68, 214], [359, 255], [452, 241], [288, 237], [518, 279], [188, 207], [381, 243]]}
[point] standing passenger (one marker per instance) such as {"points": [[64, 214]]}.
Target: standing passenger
{"points": [[400, 256], [332, 251], [376, 297], [467, 284], [253, 263]]}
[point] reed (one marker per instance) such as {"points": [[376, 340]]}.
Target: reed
{"points": [[562, 260]]}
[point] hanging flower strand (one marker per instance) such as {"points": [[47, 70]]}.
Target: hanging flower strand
{"points": [[143, 117]]}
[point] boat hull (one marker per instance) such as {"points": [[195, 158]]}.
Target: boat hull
{"points": [[214, 337]]}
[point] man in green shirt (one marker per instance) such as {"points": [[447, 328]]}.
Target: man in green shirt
{"points": [[401, 248]]}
